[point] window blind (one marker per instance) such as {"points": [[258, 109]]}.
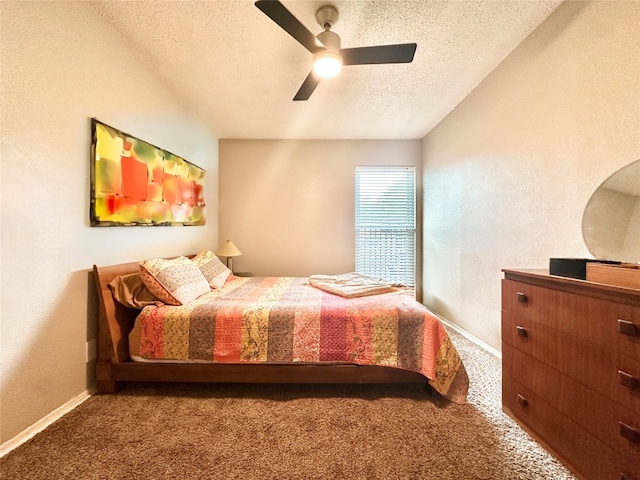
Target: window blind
{"points": [[386, 222]]}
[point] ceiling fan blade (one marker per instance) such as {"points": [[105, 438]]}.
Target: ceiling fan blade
{"points": [[277, 12], [401, 53], [308, 86]]}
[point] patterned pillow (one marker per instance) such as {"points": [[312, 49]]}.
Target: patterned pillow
{"points": [[212, 268], [174, 282]]}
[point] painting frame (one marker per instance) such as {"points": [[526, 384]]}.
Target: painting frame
{"points": [[136, 183]]}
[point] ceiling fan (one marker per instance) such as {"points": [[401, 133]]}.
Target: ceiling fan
{"points": [[328, 57]]}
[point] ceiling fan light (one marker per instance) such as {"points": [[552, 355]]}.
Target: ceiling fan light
{"points": [[327, 64]]}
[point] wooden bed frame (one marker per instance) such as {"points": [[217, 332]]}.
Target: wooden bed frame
{"points": [[114, 365]]}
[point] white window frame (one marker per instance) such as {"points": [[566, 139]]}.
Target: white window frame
{"points": [[385, 222]]}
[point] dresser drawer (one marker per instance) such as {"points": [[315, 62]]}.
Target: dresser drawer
{"points": [[612, 325], [594, 412], [611, 374], [573, 445]]}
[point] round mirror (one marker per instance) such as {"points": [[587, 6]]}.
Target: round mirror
{"points": [[611, 219]]}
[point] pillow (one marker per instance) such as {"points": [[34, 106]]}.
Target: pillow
{"points": [[131, 292], [174, 282], [212, 268]]}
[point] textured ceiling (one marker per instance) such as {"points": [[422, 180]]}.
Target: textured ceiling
{"points": [[238, 70]]}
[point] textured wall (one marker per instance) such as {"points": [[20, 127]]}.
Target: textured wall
{"points": [[509, 172], [61, 65], [289, 205]]}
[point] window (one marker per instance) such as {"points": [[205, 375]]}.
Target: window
{"points": [[386, 223]]}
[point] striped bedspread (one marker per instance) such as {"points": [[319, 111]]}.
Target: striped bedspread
{"points": [[285, 319]]}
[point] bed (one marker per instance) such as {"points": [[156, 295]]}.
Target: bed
{"points": [[273, 330]]}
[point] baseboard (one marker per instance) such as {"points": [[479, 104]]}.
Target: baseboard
{"points": [[44, 422], [470, 337]]}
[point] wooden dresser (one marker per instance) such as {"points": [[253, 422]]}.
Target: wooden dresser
{"points": [[571, 370]]}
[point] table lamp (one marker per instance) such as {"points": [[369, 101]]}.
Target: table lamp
{"points": [[229, 250]]}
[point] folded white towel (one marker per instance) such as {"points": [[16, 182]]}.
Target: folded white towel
{"points": [[352, 284]]}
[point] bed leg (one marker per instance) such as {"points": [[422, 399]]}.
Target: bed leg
{"points": [[104, 378], [108, 386]]}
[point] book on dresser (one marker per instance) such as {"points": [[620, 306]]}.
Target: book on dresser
{"points": [[571, 370]]}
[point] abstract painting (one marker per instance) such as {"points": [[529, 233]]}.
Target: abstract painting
{"points": [[136, 183]]}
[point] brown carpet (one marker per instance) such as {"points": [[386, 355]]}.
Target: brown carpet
{"points": [[180, 431]]}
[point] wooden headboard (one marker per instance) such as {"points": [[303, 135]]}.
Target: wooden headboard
{"points": [[115, 320]]}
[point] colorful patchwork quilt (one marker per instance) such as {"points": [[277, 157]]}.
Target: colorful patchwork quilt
{"points": [[285, 319]]}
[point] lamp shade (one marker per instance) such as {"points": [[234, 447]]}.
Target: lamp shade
{"points": [[228, 250]]}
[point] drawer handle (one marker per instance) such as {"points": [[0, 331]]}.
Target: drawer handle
{"points": [[522, 401], [625, 477], [629, 432], [522, 298], [522, 332], [628, 328], [627, 380]]}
